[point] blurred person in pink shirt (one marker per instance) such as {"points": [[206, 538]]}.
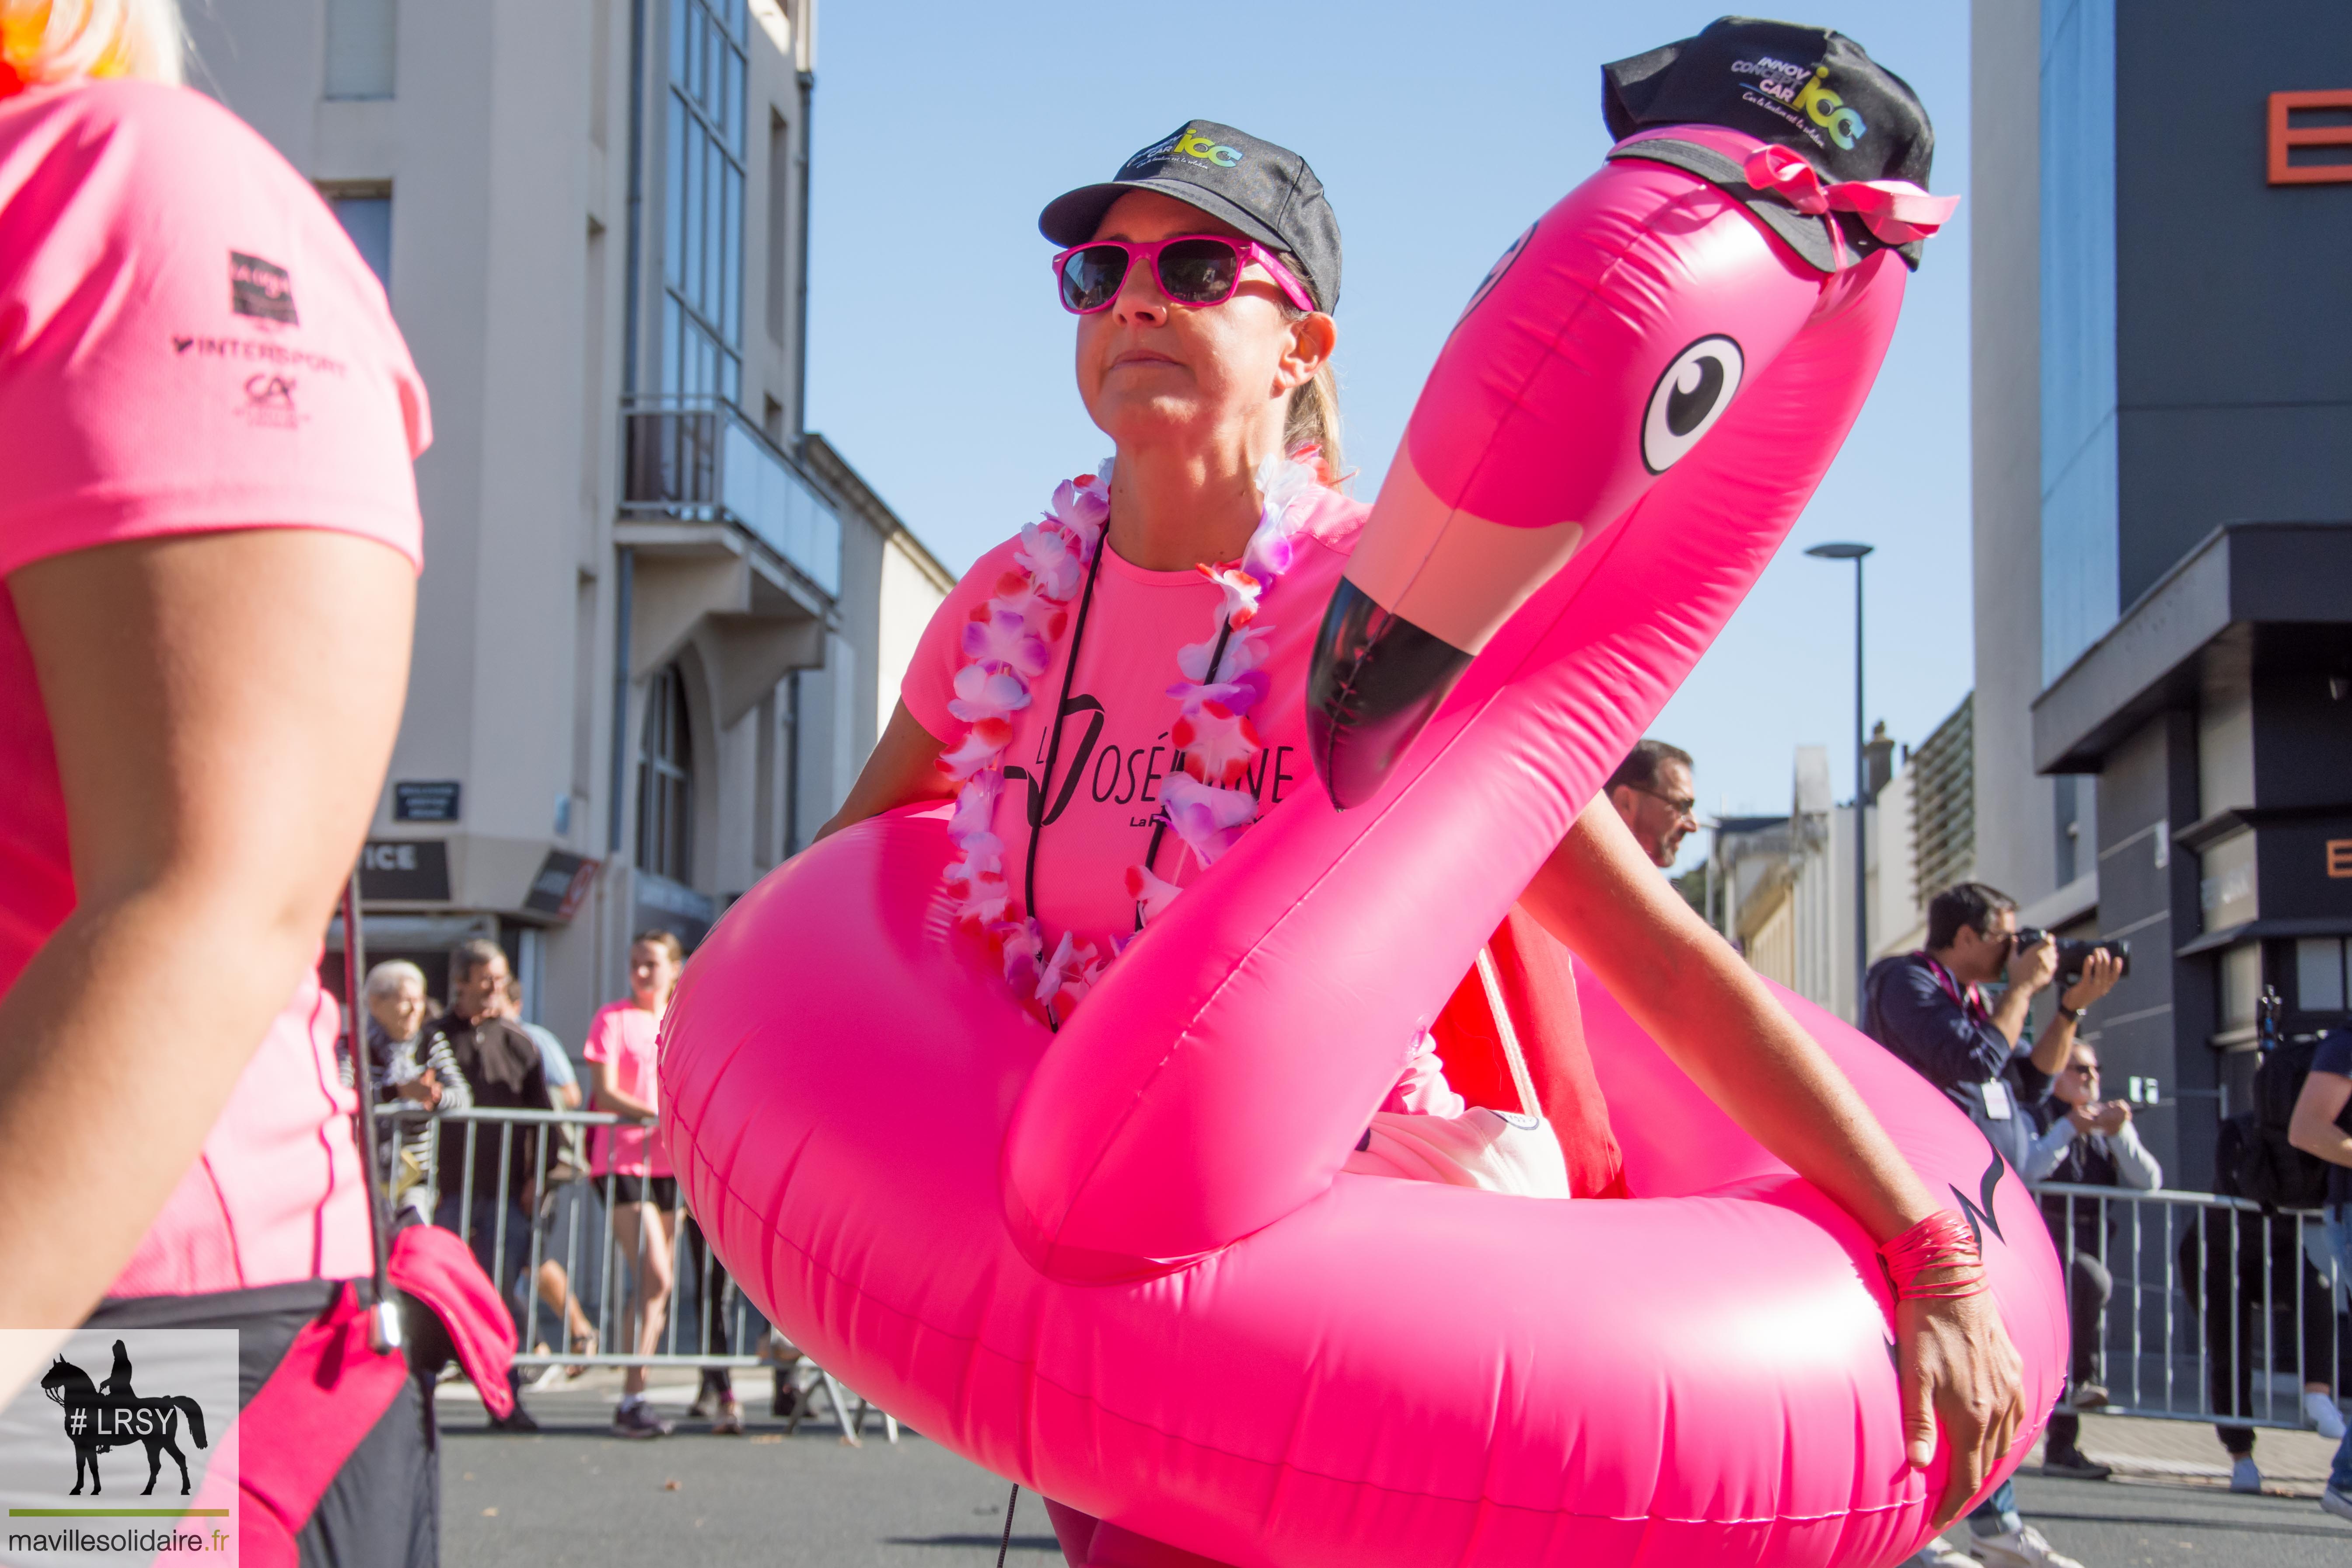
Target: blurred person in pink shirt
{"points": [[209, 539], [630, 1162]]}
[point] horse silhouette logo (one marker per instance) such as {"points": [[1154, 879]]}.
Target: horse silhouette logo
{"points": [[112, 1415]]}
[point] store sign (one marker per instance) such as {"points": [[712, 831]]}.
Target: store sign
{"points": [[413, 870], [424, 800], [2310, 119], [561, 885]]}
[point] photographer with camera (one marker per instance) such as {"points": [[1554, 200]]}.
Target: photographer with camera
{"points": [[1924, 1006]]}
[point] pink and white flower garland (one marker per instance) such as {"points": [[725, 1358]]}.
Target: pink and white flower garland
{"points": [[1009, 641]]}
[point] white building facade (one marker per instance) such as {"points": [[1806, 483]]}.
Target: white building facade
{"points": [[652, 623]]}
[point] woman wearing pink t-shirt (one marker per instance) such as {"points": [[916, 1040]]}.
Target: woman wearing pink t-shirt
{"points": [[210, 539], [1202, 277], [629, 1162]]}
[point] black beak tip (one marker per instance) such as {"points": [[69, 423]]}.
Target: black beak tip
{"points": [[1377, 681]]}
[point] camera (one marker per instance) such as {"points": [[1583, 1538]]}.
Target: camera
{"points": [[2073, 951]]}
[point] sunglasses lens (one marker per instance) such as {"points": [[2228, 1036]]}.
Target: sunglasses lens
{"points": [[1091, 277], [1199, 271]]}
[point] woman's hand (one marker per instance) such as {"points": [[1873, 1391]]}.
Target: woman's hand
{"points": [[1958, 1371], [1685, 986]]}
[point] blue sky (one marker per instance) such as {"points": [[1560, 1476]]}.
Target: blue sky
{"points": [[939, 363]]}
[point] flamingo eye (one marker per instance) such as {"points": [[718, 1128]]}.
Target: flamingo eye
{"points": [[1690, 397]]}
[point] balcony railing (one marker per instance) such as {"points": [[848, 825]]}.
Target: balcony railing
{"points": [[697, 459]]}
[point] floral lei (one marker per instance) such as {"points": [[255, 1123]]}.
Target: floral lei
{"points": [[1008, 643]]}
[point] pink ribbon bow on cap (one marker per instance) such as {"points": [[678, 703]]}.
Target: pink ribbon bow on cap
{"points": [[1896, 211]]}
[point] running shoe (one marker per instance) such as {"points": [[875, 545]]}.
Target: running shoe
{"points": [[2336, 1503], [2020, 1548], [729, 1421], [1940, 1554], [2326, 1418], [2087, 1397], [638, 1420], [2246, 1476]]}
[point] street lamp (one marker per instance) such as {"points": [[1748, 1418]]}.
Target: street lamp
{"points": [[1854, 552]]}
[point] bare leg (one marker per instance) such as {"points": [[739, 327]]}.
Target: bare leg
{"points": [[644, 1242]]}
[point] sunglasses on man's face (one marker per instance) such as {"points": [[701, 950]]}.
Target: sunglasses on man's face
{"points": [[1195, 269]]}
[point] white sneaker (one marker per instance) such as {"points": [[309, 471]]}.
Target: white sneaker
{"points": [[1940, 1554], [2324, 1416], [2336, 1503], [2020, 1548], [2246, 1476]]}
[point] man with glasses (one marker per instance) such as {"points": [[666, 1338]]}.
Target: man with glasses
{"points": [[2090, 1142], [1653, 790], [1925, 1007]]}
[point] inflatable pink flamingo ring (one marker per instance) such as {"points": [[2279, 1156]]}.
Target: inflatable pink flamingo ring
{"points": [[1122, 1264]]}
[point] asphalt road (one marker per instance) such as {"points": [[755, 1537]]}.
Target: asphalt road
{"points": [[576, 1495]]}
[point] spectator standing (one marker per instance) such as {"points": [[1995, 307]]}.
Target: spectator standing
{"points": [[409, 1067], [1653, 790], [1925, 1007], [553, 1205], [621, 1050], [2322, 1126], [501, 1066], [2085, 1141]]}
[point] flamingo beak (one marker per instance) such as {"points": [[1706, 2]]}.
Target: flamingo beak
{"points": [[1376, 681]]}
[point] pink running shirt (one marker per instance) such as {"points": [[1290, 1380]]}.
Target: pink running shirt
{"points": [[1115, 750], [625, 1035], [188, 343]]}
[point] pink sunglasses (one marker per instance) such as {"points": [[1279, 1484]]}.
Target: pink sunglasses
{"points": [[1193, 269]]}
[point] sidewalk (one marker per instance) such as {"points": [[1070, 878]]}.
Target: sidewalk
{"points": [[2293, 1463]]}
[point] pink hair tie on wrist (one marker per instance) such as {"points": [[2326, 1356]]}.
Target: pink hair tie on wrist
{"points": [[1942, 1242]]}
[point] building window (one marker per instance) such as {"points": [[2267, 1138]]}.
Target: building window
{"points": [[2080, 498], [360, 39], [702, 262], [1944, 796], [365, 212], [2320, 975], [665, 781]]}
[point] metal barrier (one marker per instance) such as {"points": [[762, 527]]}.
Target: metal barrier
{"points": [[2184, 1306], [2194, 1307], [569, 1256]]}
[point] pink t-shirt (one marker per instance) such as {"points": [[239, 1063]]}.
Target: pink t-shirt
{"points": [[1115, 742], [1115, 749], [623, 1034], [188, 343]]}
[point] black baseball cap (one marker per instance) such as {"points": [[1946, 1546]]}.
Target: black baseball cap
{"points": [[1266, 192], [1812, 89]]}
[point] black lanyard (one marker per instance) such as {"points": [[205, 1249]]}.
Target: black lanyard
{"points": [[1043, 790]]}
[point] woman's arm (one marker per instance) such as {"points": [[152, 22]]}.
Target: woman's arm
{"points": [[224, 706], [902, 770], [609, 1096], [1710, 1013]]}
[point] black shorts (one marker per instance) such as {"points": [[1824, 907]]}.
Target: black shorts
{"points": [[660, 1191], [383, 1509]]}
